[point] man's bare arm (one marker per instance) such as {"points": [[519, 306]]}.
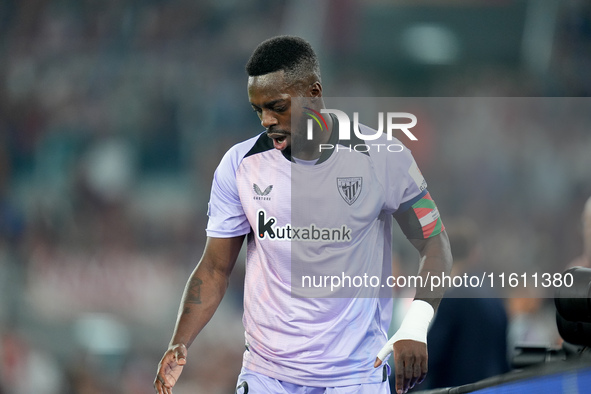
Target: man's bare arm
{"points": [[410, 352], [436, 259], [203, 293], [206, 288]]}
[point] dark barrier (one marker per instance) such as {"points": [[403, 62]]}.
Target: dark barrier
{"points": [[568, 377]]}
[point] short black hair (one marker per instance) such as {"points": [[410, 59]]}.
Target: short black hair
{"points": [[293, 55]]}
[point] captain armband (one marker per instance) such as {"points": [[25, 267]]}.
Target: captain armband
{"points": [[419, 217]]}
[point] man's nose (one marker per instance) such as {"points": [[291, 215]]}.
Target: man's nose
{"points": [[268, 119]]}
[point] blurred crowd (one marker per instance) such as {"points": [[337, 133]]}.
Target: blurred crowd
{"points": [[114, 115]]}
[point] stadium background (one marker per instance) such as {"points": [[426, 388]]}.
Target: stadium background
{"points": [[114, 114]]}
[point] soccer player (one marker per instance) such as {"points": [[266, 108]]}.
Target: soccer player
{"points": [[302, 208]]}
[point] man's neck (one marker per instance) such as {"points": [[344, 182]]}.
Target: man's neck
{"points": [[321, 136]]}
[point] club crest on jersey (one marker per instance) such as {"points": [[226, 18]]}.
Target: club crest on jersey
{"points": [[261, 194], [350, 188]]}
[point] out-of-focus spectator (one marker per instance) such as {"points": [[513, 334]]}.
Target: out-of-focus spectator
{"points": [[468, 338], [532, 321], [26, 369], [584, 260]]}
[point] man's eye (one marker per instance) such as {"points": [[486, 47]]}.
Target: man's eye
{"points": [[280, 109]]}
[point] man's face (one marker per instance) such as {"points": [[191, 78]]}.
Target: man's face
{"points": [[270, 97]]}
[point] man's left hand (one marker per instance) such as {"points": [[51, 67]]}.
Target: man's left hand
{"points": [[410, 364]]}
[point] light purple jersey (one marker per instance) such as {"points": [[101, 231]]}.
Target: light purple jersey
{"points": [[332, 217]]}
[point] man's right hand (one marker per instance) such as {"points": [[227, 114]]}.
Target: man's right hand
{"points": [[203, 293], [170, 368]]}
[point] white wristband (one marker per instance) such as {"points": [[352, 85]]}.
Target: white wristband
{"points": [[414, 326]]}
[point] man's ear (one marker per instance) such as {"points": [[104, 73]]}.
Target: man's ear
{"points": [[315, 89]]}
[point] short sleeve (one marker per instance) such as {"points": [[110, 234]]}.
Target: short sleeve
{"points": [[407, 196], [226, 214], [403, 181], [417, 213]]}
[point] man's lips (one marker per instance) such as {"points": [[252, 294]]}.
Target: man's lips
{"points": [[279, 139]]}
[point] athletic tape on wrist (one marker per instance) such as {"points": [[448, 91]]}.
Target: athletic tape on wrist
{"points": [[414, 326]]}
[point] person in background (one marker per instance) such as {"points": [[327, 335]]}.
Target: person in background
{"points": [[467, 341], [584, 260]]}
